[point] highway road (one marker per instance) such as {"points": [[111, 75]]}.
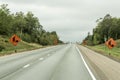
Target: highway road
{"points": [[62, 62]]}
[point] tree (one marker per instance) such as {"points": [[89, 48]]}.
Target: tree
{"points": [[115, 29], [19, 23], [5, 20], [106, 28], [27, 26]]}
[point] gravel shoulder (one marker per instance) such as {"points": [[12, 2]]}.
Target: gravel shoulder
{"points": [[102, 67]]}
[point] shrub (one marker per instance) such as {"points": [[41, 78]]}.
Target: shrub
{"points": [[1, 47], [6, 41]]}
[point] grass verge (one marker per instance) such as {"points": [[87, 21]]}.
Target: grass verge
{"points": [[113, 53], [7, 48]]}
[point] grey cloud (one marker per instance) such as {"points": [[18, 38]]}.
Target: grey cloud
{"points": [[73, 36], [48, 2]]}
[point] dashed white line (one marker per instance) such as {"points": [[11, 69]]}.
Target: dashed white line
{"points": [[90, 72], [41, 58], [27, 65], [48, 55]]}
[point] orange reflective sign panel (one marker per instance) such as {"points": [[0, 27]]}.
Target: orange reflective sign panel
{"points": [[110, 43], [84, 42], [14, 40], [55, 42]]}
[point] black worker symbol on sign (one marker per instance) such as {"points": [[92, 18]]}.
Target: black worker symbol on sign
{"points": [[110, 43], [14, 39]]}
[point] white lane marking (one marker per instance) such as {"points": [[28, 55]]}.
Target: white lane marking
{"points": [[41, 58], [90, 72], [48, 55], [27, 65]]}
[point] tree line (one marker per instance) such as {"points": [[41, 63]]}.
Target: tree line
{"points": [[27, 26], [107, 27]]}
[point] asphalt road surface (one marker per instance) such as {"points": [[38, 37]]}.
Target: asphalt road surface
{"points": [[62, 62]]}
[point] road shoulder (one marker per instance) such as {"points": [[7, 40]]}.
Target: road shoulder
{"points": [[94, 68]]}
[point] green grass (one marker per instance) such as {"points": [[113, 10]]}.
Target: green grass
{"points": [[9, 48], [113, 53]]}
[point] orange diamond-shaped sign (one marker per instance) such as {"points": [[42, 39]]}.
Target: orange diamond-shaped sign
{"points": [[110, 43], [15, 39]]}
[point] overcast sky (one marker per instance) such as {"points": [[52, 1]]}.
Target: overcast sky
{"points": [[71, 19]]}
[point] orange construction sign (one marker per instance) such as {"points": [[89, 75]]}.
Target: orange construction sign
{"points": [[110, 43], [14, 40], [55, 42], [84, 42]]}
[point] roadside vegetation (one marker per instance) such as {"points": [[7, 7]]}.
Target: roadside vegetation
{"points": [[27, 27], [107, 27], [113, 53], [7, 48]]}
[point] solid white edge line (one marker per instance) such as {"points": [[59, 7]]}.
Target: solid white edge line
{"points": [[27, 65], [90, 72]]}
